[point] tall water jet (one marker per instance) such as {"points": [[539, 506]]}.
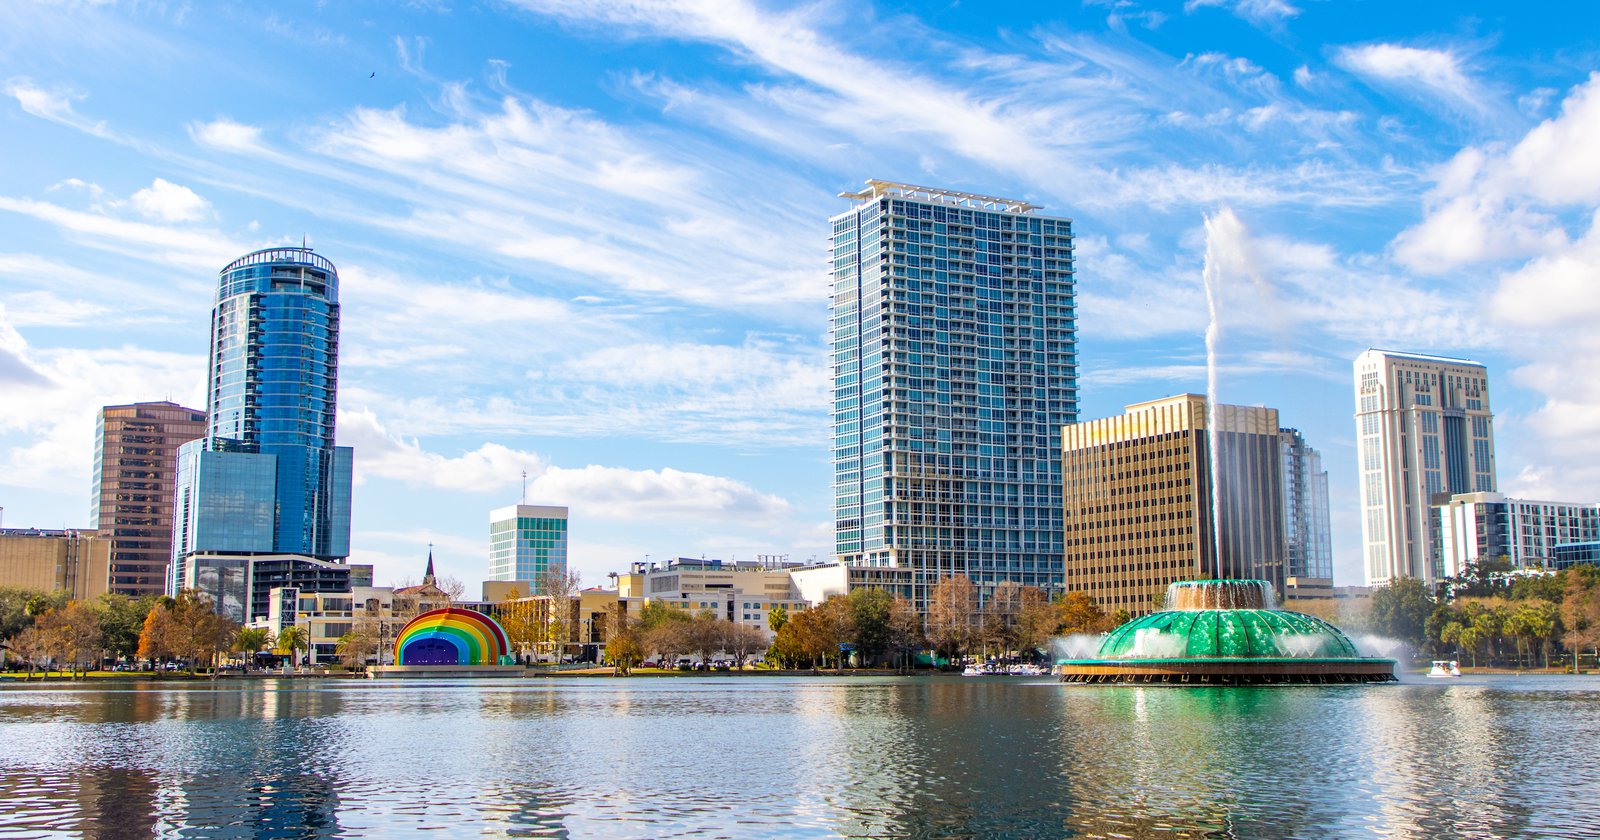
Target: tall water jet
{"points": [[1210, 276]]}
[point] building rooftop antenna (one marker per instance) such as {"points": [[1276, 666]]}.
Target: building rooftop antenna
{"points": [[524, 487]]}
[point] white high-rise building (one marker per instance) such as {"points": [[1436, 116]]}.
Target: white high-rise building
{"points": [[526, 543], [1478, 527], [1424, 430]]}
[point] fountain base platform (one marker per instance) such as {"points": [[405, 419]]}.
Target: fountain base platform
{"points": [[1228, 671]]}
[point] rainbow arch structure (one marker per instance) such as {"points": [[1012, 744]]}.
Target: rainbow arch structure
{"points": [[451, 636]]}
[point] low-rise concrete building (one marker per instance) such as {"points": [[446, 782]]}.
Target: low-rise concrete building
{"points": [[77, 562]]}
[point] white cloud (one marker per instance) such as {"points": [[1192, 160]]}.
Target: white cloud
{"points": [[667, 494], [227, 134], [165, 201], [1258, 12], [1489, 203], [50, 429], [204, 249], [612, 493], [53, 105], [1430, 76]]}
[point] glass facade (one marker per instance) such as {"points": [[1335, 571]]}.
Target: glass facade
{"points": [[271, 395], [954, 368], [1305, 509], [527, 542]]}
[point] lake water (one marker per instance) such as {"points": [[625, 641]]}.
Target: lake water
{"points": [[1486, 756]]}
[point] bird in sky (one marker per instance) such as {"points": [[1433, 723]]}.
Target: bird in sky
{"points": [[374, 75]]}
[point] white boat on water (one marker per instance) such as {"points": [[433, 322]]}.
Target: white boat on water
{"points": [[1444, 668]]}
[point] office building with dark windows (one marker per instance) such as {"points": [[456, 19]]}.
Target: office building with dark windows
{"points": [[954, 369], [1139, 508], [267, 478], [135, 479]]}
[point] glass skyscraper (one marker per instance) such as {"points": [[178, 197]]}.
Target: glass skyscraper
{"points": [[267, 478], [954, 369]]}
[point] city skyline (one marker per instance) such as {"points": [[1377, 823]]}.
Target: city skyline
{"points": [[589, 243]]}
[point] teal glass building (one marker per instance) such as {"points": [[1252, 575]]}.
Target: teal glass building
{"points": [[267, 477], [527, 543], [954, 369]]}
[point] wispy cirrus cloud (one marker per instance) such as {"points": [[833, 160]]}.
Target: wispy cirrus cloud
{"points": [[54, 105], [1430, 77]]}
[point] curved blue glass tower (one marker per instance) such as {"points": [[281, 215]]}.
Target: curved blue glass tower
{"points": [[273, 387], [267, 478]]}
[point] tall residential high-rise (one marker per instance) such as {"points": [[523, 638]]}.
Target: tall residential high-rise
{"points": [[1305, 510], [954, 368], [267, 477], [1139, 511], [1424, 430], [135, 479], [526, 543]]}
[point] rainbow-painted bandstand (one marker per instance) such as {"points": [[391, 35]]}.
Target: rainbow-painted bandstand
{"points": [[450, 642]]}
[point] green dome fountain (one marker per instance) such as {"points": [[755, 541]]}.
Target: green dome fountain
{"points": [[1226, 632]]}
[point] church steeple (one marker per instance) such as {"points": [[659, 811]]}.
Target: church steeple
{"points": [[427, 577]]}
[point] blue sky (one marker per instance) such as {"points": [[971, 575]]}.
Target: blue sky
{"points": [[587, 240]]}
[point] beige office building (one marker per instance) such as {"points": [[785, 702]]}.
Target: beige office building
{"points": [[1138, 500], [1424, 433], [135, 478], [70, 561]]}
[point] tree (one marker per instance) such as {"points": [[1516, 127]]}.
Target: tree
{"points": [[1081, 613], [777, 617], [1400, 611], [1037, 620], [249, 640], [662, 631], [905, 631], [1580, 611], [870, 614], [703, 635], [30, 646], [804, 638], [1000, 617], [741, 641], [451, 586], [560, 586], [196, 631], [81, 636], [1535, 622], [623, 647], [950, 612], [19, 607], [121, 619], [357, 645], [830, 627], [292, 640], [519, 617], [154, 634]]}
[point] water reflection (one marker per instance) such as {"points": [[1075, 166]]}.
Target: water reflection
{"points": [[804, 757]]}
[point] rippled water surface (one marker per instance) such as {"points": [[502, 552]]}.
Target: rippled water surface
{"points": [[801, 757]]}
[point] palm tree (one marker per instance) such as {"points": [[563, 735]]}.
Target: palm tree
{"points": [[294, 639], [251, 639]]}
